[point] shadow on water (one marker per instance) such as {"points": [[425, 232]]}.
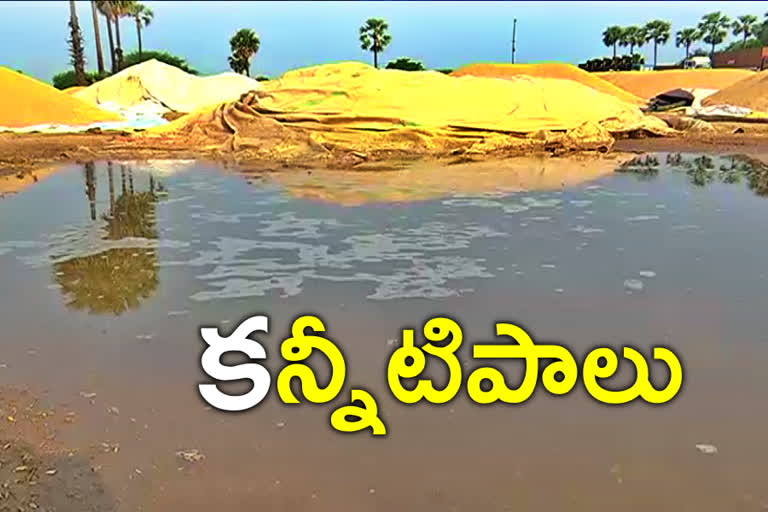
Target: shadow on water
{"points": [[703, 170], [115, 280]]}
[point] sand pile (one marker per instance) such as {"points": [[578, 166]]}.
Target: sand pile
{"points": [[168, 86], [548, 70], [356, 107], [28, 103], [751, 92], [648, 84]]}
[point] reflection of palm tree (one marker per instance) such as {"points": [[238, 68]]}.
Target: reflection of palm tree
{"points": [[90, 187], [756, 172], [644, 167], [111, 188], [114, 280], [133, 217], [702, 170]]}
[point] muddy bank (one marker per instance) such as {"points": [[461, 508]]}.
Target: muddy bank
{"points": [[22, 155], [37, 471], [722, 137], [26, 158]]}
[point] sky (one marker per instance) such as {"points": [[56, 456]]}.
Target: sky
{"points": [[33, 34]]}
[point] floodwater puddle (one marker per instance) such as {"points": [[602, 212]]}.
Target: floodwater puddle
{"points": [[109, 269]]}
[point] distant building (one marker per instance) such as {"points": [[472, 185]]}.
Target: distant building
{"points": [[752, 58]]}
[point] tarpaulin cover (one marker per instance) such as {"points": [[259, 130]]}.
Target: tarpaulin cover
{"points": [[360, 106], [548, 70], [166, 85]]}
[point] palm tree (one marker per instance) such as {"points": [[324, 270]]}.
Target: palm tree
{"points": [[120, 9], [632, 36], [686, 37], [374, 37], [612, 36], [105, 8], [657, 31], [714, 29], [244, 44], [76, 45], [746, 25], [97, 36], [143, 16]]}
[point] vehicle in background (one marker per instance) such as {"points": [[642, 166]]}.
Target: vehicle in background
{"points": [[697, 62]]}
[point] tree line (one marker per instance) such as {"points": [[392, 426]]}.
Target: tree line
{"points": [[712, 29], [112, 11], [374, 37]]}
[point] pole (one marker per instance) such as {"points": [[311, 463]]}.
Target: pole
{"points": [[514, 30]]}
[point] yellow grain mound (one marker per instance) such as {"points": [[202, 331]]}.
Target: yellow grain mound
{"points": [[548, 70], [648, 84], [26, 102], [166, 85], [361, 108], [355, 95], [74, 89], [751, 92]]}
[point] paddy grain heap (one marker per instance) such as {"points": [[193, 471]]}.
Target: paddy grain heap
{"points": [[751, 92], [354, 107], [548, 70], [168, 86], [26, 102], [648, 84]]}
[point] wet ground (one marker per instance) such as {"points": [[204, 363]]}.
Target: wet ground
{"points": [[108, 271]]}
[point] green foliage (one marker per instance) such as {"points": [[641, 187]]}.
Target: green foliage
{"points": [[633, 36], [165, 57], [657, 31], [67, 79], [612, 36], [745, 26], [740, 45], [406, 64], [244, 45], [685, 37], [446, 71], [714, 28], [374, 36], [761, 32], [619, 63], [699, 52], [263, 78]]}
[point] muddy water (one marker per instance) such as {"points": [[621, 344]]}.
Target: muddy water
{"points": [[108, 271]]}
